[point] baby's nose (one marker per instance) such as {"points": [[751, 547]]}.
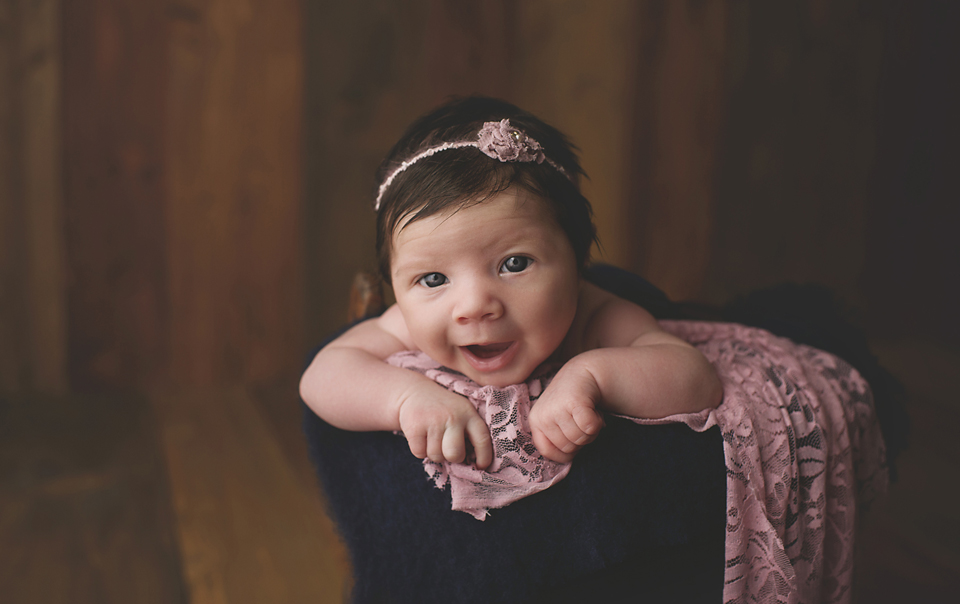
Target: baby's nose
{"points": [[478, 303]]}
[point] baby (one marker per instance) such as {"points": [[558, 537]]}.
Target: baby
{"points": [[483, 233]]}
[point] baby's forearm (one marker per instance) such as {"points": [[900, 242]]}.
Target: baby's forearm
{"points": [[354, 390], [652, 381]]}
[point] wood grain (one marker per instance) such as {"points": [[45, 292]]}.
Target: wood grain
{"points": [[114, 70], [42, 194], [797, 141], [678, 103], [233, 203], [912, 250], [13, 307], [32, 277]]}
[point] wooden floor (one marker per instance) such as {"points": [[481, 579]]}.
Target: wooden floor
{"points": [[910, 543], [208, 498], [200, 497]]}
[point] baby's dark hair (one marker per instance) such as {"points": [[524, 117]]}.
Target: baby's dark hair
{"points": [[465, 176]]}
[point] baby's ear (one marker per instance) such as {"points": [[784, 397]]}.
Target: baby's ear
{"points": [[366, 297]]}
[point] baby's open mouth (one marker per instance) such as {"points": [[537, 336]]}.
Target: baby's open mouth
{"points": [[490, 357], [488, 351]]}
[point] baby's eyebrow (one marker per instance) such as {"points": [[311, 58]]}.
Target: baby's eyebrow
{"points": [[415, 261], [415, 268]]}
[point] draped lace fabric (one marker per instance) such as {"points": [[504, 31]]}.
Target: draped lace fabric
{"points": [[802, 449], [518, 469]]}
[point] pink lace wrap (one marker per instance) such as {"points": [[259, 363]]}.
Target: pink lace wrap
{"points": [[802, 448], [517, 469]]}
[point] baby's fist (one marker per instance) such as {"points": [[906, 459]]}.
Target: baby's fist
{"points": [[565, 417]]}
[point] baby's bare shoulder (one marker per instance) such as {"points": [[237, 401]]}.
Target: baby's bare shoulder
{"points": [[606, 320], [381, 336]]}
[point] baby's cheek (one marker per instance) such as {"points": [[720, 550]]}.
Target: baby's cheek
{"points": [[554, 331], [434, 342]]}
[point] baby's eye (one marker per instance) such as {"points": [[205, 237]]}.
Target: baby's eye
{"points": [[515, 264], [433, 280]]}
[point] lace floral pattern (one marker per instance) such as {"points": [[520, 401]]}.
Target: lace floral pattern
{"points": [[803, 450], [518, 469]]}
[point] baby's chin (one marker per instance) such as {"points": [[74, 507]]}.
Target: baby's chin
{"points": [[483, 380], [509, 376], [495, 383]]}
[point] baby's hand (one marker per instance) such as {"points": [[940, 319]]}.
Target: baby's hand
{"points": [[565, 418], [435, 420]]}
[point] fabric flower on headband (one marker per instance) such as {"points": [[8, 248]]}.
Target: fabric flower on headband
{"points": [[502, 141], [498, 140]]}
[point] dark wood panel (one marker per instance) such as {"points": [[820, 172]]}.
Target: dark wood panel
{"points": [[796, 146], [679, 102], [42, 193], [13, 307], [912, 247], [469, 48], [32, 301], [233, 204], [114, 58]]}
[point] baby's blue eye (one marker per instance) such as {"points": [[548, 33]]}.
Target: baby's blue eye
{"points": [[433, 280], [515, 264]]}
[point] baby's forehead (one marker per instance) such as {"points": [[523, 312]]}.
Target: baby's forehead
{"points": [[521, 202]]}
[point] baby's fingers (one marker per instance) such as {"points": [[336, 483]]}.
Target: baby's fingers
{"points": [[588, 420], [479, 436], [453, 446], [417, 441], [435, 438], [551, 443], [573, 434]]}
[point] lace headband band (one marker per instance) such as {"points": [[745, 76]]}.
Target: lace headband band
{"points": [[498, 140]]}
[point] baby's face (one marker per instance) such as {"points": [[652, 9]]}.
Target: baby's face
{"points": [[490, 290]]}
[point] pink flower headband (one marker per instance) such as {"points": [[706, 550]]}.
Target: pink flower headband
{"points": [[498, 140]]}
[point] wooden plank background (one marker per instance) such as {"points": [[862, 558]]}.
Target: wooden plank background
{"points": [[12, 303], [114, 57], [186, 186], [33, 325], [232, 157]]}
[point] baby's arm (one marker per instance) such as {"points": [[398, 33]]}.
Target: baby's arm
{"points": [[349, 385], [630, 367]]}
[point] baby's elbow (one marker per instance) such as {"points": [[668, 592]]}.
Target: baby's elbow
{"points": [[304, 391], [714, 390], [706, 388], [309, 387]]}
